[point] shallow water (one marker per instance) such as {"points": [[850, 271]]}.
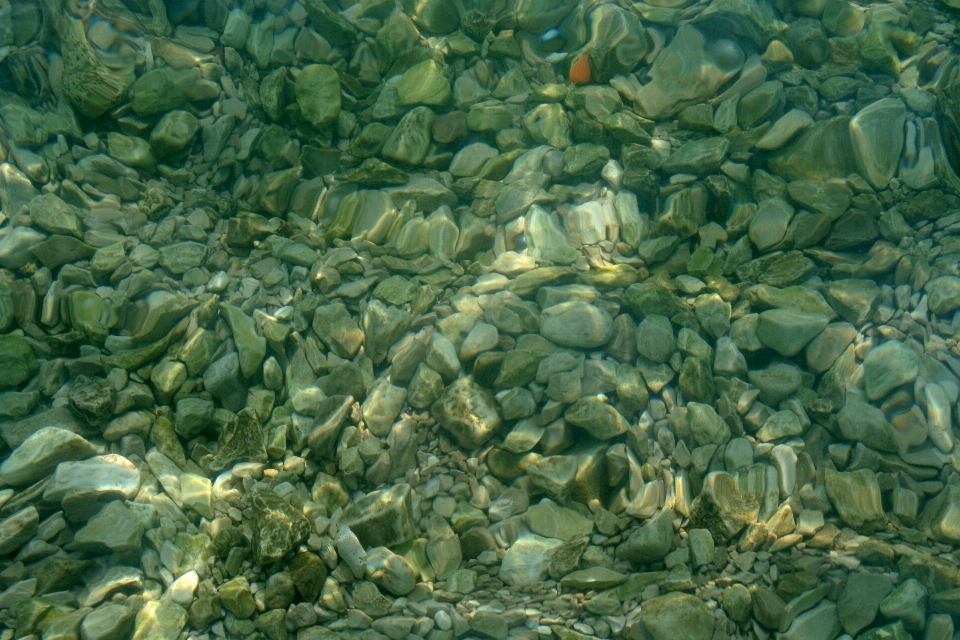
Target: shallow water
{"points": [[498, 319]]}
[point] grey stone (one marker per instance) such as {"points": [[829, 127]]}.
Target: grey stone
{"points": [[576, 324], [40, 454]]}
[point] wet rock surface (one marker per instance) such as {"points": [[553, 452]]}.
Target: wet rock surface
{"points": [[507, 319]]}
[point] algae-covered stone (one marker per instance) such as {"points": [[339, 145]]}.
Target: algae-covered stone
{"points": [[706, 425], [390, 571], [678, 74], [174, 133], [540, 15], [424, 83], [196, 492], [410, 140], [107, 622], [655, 340], [193, 416], [182, 256], [469, 412], [18, 529], [856, 300], [53, 215], [222, 380], [576, 324], [131, 151], [159, 620], [237, 598], [770, 223], [318, 93], [701, 157], [278, 526], [781, 424], [737, 602], [677, 616], [877, 135], [337, 329], [856, 497], [599, 419], [768, 607], [17, 361], [862, 422], [727, 503], [383, 518], [241, 440]]}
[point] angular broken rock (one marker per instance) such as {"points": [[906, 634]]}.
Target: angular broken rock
{"points": [[382, 518], [856, 497], [727, 503], [83, 487], [17, 529], [469, 412]]}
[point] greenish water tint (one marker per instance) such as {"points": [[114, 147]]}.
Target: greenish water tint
{"points": [[503, 319]]}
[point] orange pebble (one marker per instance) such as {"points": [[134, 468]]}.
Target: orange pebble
{"points": [[580, 71]]}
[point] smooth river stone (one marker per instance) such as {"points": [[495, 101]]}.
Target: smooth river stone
{"points": [[40, 454], [887, 367], [688, 69], [821, 152], [423, 83], [787, 331], [770, 223], [877, 136], [938, 417], [783, 130], [943, 294], [576, 324]]}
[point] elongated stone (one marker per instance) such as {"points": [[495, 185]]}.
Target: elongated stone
{"points": [[40, 454], [878, 137], [251, 347]]}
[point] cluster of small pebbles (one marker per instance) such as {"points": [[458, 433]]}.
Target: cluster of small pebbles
{"points": [[493, 319]]}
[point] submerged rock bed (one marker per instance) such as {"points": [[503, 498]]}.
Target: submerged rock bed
{"points": [[479, 319]]}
